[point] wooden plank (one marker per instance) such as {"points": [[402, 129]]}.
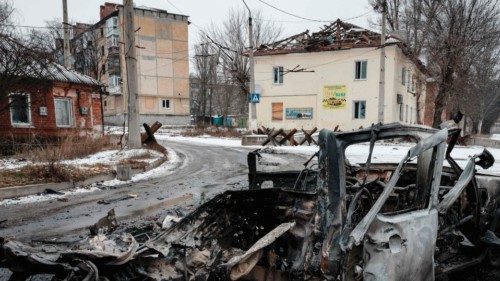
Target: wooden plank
{"points": [[277, 111]]}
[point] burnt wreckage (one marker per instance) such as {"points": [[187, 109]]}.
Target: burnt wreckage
{"points": [[335, 221]]}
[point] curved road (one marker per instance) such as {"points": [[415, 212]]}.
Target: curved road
{"points": [[203, 169]]}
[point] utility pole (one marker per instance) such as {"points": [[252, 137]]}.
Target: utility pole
{"points": [[134, 137], [66, 26], [381, 86], [252, 112]]}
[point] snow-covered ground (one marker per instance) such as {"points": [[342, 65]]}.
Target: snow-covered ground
{"points": [[356, 154], [107, 157], [46, 197], [167, 168], [495, 137]]}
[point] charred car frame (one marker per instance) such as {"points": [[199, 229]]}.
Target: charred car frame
{"points": [[337, 221]]}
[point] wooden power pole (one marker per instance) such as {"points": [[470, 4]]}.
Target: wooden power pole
{"points": [[381, 89], [66, 27], [134, 136], [252, 122]]}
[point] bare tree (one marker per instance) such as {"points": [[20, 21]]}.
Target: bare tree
{"points": [[480, 96], [23, 62], [449, 35], [231, 41], [205, 63]]}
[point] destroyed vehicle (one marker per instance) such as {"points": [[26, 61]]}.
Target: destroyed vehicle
{"points": [[414, 220]]}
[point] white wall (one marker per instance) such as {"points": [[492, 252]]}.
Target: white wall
{"points": [[305, 89]]}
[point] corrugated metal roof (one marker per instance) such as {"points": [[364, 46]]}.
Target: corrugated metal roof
{"points": [[57, 72], [39, 70]]}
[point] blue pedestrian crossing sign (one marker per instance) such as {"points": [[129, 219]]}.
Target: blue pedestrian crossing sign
{"points": [[255, 97]]}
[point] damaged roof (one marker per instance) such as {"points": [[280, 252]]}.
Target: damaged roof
{"points": [[338, 35]]}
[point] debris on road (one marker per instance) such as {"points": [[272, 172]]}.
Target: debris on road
{"points": [[169, 220], [51, 191], [121, 198], [105, 225]]}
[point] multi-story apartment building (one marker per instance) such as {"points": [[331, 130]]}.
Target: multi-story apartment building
{"points": [[162, 62], [331, 78]]}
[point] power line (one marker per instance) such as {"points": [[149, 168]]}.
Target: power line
{"points": [[293, 15], [302, 21], [174, 6]]}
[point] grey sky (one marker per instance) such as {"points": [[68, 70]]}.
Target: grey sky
{"points": [[203, 12]]}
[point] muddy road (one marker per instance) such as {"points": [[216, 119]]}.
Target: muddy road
{"points": [[207, 170]]}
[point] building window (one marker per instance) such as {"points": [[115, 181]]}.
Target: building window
{"points": [[403, 76], [361, 67], [278, 75], [408, 80], [105, 103], [113, 80], [277, 111], [413, 83], [401, 112], [102, 51], [406, 118], [113, 41], [20, 113], [359, 109], [64, 112], [165, 104]]}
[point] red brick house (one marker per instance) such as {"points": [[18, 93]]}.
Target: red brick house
{"points": [[63, 102]]}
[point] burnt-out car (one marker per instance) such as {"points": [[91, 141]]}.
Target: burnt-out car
{"points": [[339, 221]]}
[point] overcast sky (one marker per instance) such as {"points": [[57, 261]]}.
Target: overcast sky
{"points": [[203, 12]]}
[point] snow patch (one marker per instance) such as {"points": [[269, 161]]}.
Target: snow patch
{"points": [[107, 157], [164, 169], [46, 197]]}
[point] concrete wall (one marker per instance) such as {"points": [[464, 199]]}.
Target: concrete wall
{"points": [[305, 89], [163, 66]]}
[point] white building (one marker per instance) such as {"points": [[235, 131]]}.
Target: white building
{"points": [[331, 78]]}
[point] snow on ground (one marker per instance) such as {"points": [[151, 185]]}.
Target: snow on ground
{"points": [[164, 169], [46, 197], [113, 157], [495, 137], [107, 157], [167, 168], [356, 154], [12, 163]]}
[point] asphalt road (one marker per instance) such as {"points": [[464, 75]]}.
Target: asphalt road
{"points": [[204, 169]]}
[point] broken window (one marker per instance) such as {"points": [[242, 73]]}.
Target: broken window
{"points": [[359, 109], [20, 109], [278, 75], [361, 67], [64, 113], [165, 104], [277, 111]]}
